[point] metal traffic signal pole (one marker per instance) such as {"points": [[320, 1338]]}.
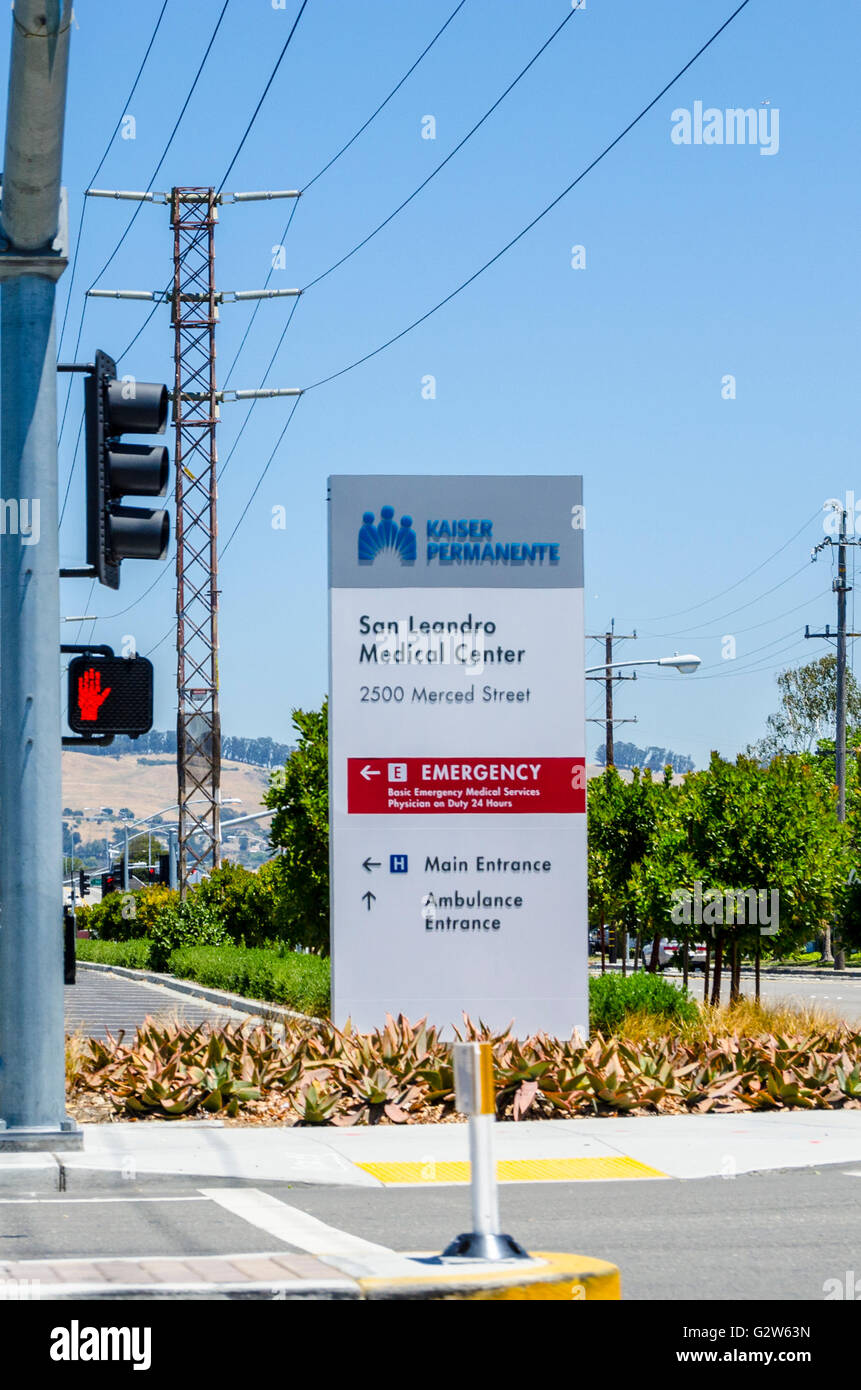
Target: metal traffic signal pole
{"points": [[32, 1038]]}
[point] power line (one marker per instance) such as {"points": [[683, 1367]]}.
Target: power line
{"points": [[130, 223], [334, 159], [250, 325], [384, 103], [163, 157], [98, 168], [664, 617], [223, 549], [753, 670], [740, 609], [250, 410], [170, 140], [459, 146], [263, 96], [496, 257], [333, 376], [266, 468], [325, 168], [71, 470], [761, 653]]}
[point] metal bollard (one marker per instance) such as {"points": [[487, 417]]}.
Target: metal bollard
{"points": [[475, 1097]]}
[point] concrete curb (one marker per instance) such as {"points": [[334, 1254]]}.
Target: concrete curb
{"points": [[275, 1013], [560, 1278], [547, 1276]]}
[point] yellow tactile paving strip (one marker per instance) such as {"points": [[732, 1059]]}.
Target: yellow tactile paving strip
{"points": [[515, 1170]]}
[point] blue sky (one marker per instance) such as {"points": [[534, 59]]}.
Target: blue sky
{"points": [[701, 261]]}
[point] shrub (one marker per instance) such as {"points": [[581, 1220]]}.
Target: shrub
{"points": [[178, 924], [125, 916], [134, 954], [613, 998], [244, 901], [299, 1072], [297, 981]]}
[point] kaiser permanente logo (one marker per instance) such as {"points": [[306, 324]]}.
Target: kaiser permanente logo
{"points": [[462, 541]]}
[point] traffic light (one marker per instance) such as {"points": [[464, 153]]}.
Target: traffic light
{"points": [[83, 884], [112, 881], [110, 695], [115, 469]]}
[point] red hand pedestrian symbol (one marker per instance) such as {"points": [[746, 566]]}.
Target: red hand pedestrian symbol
{"points": [[91, 697]]}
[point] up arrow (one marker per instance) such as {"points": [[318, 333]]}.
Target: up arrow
{"points": [[369, 864], [368, 772], [369, 898]]}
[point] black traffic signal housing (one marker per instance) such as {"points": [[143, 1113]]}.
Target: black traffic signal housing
{"points": [[112, 881], [110, 695], [115, 469], [83, 884]]}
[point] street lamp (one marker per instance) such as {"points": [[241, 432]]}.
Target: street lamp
{"points": [[683, 664]]}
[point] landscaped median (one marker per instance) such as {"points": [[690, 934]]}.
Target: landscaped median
{"points": [[671, 1057], [290, 978]]}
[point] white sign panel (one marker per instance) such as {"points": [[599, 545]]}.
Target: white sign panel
{"points": [[457, 751]]}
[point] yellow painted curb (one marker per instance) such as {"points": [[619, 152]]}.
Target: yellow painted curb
{"points": [[561, 1278], [515, 1170]]}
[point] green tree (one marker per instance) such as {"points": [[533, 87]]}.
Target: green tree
{"points": [[633, 843], [764, 829], [808, 708], [246, 902], [299, 795]]}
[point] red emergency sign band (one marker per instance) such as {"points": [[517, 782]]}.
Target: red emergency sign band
{"points": [[464, 785]]}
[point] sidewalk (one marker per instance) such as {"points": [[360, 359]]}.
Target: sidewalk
{"points": [[642, 1148]]}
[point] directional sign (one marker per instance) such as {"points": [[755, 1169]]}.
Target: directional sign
{"points": [[110, 695], [457, 710]]}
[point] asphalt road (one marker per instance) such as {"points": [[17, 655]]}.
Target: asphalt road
{"points": [[835, 993], [778, 1235]]}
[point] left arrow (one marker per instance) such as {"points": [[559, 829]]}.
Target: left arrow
{"points": [[369, 864], [369, 898], [368, 772]]}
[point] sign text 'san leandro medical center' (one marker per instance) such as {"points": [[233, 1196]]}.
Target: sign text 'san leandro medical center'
{"points": [[457, 750]]}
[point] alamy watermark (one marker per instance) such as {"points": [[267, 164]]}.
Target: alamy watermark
{"points": [[20, 1289], [735, 126], [848, 1288], [742, 907], [21, 517]]}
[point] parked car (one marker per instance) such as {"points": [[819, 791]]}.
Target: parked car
{"points": [[670, 953]]}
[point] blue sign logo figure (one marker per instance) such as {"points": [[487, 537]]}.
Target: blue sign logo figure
{"points": [[386, 539]]}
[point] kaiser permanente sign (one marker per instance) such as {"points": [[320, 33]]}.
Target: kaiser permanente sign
{"points": [[457, 750]]}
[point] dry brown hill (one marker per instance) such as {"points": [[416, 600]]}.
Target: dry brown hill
{"points": [[146, 784]]}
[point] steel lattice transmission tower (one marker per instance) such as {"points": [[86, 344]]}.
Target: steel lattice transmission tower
{"points": [[193, 219], [196, 400]]}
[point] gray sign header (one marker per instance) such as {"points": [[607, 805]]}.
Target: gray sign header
{"points": [[444, 532]]}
